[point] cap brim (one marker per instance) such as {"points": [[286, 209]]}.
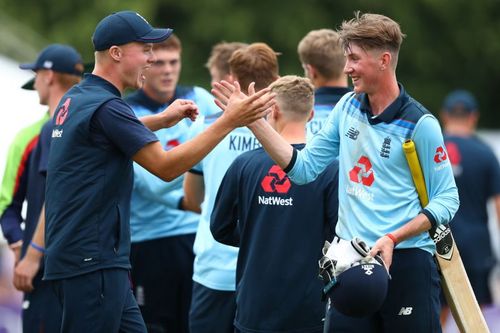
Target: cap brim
{"points": [[28, 66], [30, 85], [156, 35], [88, 67]]}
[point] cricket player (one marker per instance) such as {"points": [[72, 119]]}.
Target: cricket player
{"points": [[90, 175], [377, 198], [260, 211], [213, 305], [162, 235], [323, 61]]}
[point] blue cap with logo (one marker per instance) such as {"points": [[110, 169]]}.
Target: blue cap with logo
{"points": [[462, 99], [59, 58], [360, 290], [125, 27]]}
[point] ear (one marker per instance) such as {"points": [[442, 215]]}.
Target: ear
{"points": [[49, 77], [310, 71], [115, 52], [385, 60], [474, 116], [311, 115], [275, 112]]}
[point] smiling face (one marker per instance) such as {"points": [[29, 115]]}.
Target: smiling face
{"points": [[162, 77], [363, 67], [136, 59]]}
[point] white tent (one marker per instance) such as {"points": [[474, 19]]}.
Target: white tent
{"points": [[18, 107]]}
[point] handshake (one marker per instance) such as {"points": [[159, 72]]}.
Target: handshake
{"points": [[355, 282]]}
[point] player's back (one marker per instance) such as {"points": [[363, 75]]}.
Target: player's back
{"points": [[282, 227]]}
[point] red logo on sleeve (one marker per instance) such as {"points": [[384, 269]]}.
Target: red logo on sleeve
{"points": [[362, 172], [441, 155], [276, 181], [171, 144], [453, 153], [63, 112]]}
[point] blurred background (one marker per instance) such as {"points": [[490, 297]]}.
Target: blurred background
{"points": [[450, 44]]}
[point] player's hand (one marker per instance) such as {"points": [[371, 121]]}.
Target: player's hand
{"points": [[24, 273], [16, 250], [385, 248], [239, 109], [178, 110]]}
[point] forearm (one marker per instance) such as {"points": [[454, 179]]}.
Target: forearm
{"points": [[169, 165], [183, 157], [279, 150], [154, 122], [414, 227], [497, 208], [39, 235], [194, 192]]}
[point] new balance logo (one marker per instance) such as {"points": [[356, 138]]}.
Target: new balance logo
{"points": [[352, 133], [405, 311]]}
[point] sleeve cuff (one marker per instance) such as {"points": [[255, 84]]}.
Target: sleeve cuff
{"points": [[430, 217], [292, 161], [196, 172]]}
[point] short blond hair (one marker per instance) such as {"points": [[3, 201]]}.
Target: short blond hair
{"points": [[67, 81], [220, 55], [322, 50], [372, 32], [294, 95]]}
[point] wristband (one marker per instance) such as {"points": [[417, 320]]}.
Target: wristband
{"points": [[37, 247], [393, 238]]}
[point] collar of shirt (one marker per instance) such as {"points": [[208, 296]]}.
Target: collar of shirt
{"points": [[332, 91], [390, 113], [97, 80]]}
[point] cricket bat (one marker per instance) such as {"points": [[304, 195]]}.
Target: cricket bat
{"points": [[454, 280]]}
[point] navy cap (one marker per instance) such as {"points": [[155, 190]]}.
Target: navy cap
{"points": [[30, 84], [125, 27], [360, 290], [59, 58], [460, 99]]}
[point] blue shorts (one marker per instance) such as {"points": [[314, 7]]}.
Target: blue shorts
{"points": [[42, 311], [162, 275], [100, 302], [412, 303], [212, 311]]}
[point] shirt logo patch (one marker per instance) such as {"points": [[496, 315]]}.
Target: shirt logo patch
{"points": [[455, 157], [352, 133], [63, 112], [385, 151], [276, 181], [441, 155], [171, 144], [362, 172]]}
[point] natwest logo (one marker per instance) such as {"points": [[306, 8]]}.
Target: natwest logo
{"points": [[362, 172], [440, 155], [276, 181], [63, 112]]}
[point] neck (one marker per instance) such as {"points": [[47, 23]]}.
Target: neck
{"points": [[386, 93], [458, 129], [109, 74], [159, 97], [292, 132], [54, 99], [320, 82]]}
